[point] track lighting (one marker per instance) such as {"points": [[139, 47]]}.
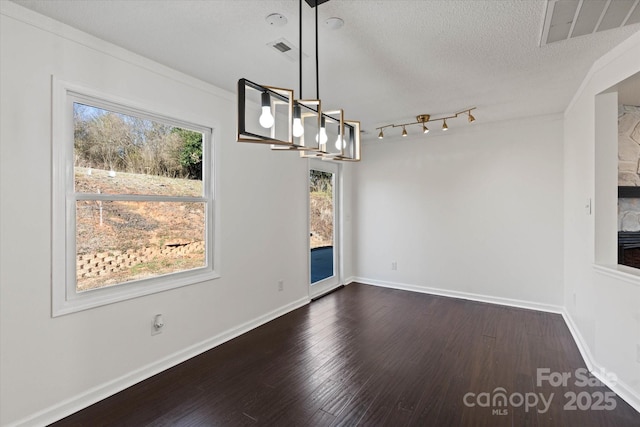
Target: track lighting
{"points": [[423, 119]]}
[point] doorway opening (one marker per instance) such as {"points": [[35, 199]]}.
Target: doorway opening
{"points": [[323, 227]]}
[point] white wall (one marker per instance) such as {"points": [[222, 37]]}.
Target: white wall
{"points": [[346, 206], [475, 211], [50, 367], [602, 300]]}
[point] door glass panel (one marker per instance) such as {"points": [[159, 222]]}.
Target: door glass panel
{"points": [[321, 217]]}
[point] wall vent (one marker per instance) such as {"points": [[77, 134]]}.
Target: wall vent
{"points": [[566, 19]]}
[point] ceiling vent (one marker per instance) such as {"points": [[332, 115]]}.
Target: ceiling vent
{"points": [[285, 48], [282, 47], [566, 19]]}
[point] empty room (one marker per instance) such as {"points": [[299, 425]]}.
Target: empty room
{"points": [[320, 212]]}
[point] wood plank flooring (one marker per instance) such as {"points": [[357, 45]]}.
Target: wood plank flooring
{"points": [[372, 356]]}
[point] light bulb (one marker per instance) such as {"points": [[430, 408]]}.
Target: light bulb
{"points": [[298, 129], [322, 135], [425, 129], [444, 125], [381, 134], [404, 131], [266, 118], [340, 143]]}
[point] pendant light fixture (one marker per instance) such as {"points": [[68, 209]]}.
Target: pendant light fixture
{"points": [[307, 115], [296, 124], [332, 123]]}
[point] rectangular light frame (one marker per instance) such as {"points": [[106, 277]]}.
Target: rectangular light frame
{"points": [[354, 142], [278, 97], [329, 117], [310, 112]]}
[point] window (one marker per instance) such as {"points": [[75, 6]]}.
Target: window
{"points": [[133, 203]]}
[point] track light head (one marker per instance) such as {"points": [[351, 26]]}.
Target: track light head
{"points": [[471, 118], [425, 129], [444, 125], [381, 134], [404, 131]]}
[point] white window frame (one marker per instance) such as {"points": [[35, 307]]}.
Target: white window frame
{"points": [[65, 298]]}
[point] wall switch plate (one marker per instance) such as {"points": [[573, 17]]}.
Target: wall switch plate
{"points": [[394, 265]]}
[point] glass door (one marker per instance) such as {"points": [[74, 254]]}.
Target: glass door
{"points": [[324, 251]]}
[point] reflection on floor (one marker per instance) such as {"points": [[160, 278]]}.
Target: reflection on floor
{"points": [[321, 263]]}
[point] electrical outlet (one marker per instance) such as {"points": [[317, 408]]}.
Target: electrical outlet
{"points": [[280, 285], [157, 324], [394, 265]]}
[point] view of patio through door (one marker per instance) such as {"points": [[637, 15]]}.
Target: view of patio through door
{"points": [[323, 227]]}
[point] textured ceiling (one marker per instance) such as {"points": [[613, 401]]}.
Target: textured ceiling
{"points": [[391, 61]]}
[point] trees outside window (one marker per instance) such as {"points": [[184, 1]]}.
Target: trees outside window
{"points": [[138, 203]]}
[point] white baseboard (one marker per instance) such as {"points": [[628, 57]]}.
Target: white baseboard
{"points": [[463, 295], [625, 392], [583, 348], [349, 280], [620, 388], [96, 394]]}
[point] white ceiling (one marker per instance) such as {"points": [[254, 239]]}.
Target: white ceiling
{"points": [[391, 61]]}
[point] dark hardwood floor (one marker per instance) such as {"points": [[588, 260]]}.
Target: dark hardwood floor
{"points": [[372, 356]]}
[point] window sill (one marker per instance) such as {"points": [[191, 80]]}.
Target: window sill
{"points": [[621, 272], [66, 304]]}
